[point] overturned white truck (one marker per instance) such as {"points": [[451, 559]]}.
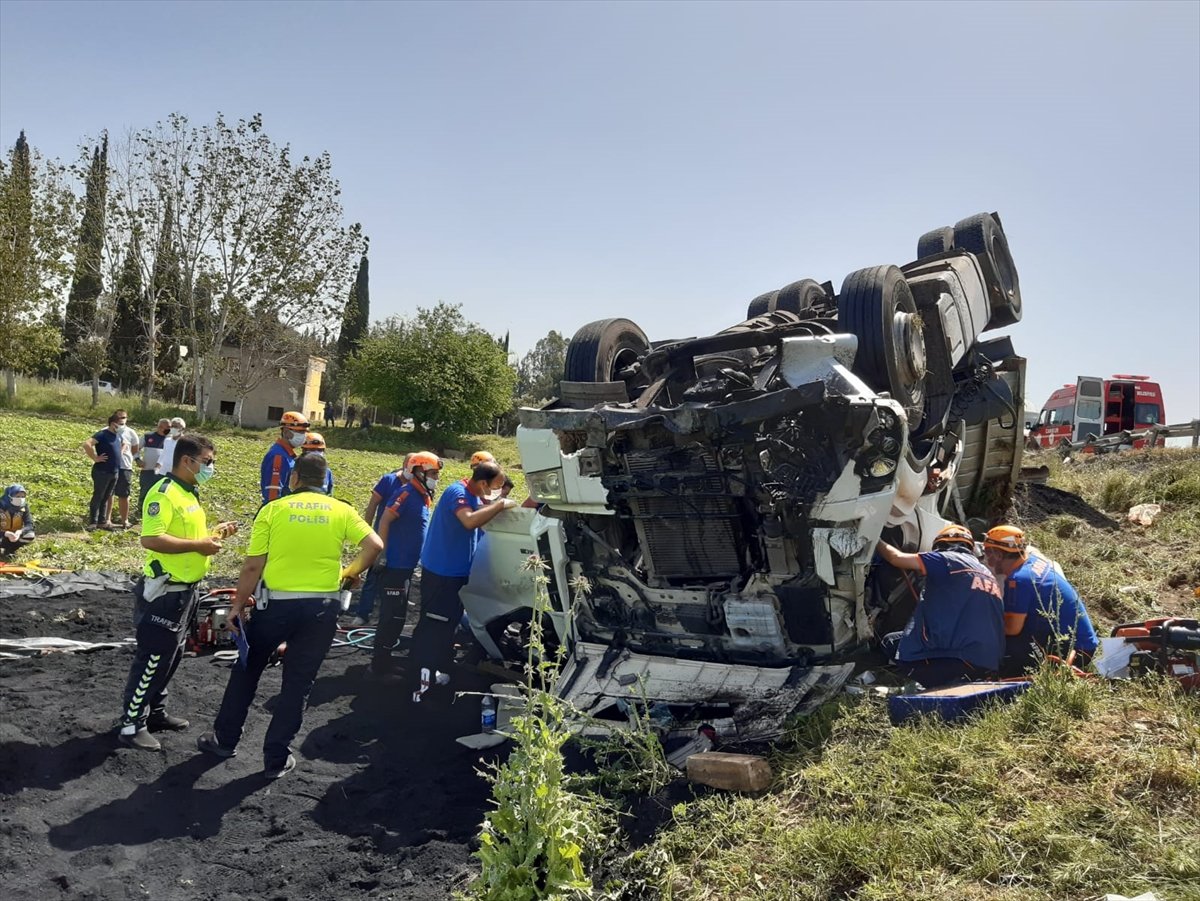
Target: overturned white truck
{"points": [[723, 495]]}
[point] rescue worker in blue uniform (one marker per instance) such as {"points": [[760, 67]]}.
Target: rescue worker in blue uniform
{"points": [[294, 572], [277, 464], [16, 522], [402, 530], [381, 495], [1042, 610], [314, 443], [446, 558], [956, 632], [179, 548]]}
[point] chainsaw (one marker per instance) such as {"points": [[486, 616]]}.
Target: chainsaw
{"points": [[210, 631], [1170, 646]]}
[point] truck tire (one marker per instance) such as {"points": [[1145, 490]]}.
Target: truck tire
{"points": [[877, 306], [937, 240], [982, 235], [799, 296], [600, 350], [762, 304]]}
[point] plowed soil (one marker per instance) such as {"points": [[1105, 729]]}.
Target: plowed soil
{"points": [[383, 803]]}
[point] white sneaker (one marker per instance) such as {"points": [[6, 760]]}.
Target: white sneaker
{"points": [[358, 621], [442, 678]]}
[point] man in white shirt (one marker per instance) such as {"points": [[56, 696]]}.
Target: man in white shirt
{"points": [[166, 460]]}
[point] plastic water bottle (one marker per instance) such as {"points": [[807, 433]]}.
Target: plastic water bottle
{"points": [[487, 714]]}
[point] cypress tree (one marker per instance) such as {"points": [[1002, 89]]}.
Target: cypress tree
{"points": [[22, 186], [165, 283], [87, 283], [128, 334], [357, 315]]}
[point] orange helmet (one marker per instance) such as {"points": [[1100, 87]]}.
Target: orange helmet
{"points": [[297, 422], [424, 459], [1008, 539], [313, 441], [481, 457], [955, 534]]}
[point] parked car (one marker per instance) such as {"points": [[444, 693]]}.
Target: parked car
{"points": [[104, 387], [723, 495]]}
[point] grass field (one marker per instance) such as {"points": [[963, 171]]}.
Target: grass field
{"points": [[41, 451], [1078, 789]]}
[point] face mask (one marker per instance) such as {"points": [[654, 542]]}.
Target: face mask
{"points": [[205, 473], [493, 495], [431, 482], [297, 439], [18, 502], [175, 432]]}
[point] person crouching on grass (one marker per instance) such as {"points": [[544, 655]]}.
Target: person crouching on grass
{"points": [[16, 522]]}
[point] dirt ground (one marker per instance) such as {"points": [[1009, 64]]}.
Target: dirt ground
{"points": [[383, 804]]}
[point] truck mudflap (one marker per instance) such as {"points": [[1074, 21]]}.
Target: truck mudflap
{"points": [[755, 701]]}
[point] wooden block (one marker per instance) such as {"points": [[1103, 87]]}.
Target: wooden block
{"points": [[732, 772]]}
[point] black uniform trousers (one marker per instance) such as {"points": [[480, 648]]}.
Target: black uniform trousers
{"points": [[308, 626], [433, 637], [393, 588], [162, 630]]}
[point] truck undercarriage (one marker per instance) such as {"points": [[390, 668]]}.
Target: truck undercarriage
{"points": [[721, 497]]}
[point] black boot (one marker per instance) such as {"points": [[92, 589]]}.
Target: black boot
{"points": [[139, 737], [164, 722]]}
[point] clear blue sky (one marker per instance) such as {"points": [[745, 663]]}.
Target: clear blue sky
{"points": [[549, 164]]}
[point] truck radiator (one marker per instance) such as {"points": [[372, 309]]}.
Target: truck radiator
{"points": [[695, 534]]}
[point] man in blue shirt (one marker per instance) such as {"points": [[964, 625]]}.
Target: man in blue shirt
{"points": [[446, 558], [1042, 611], [956, 632], [314, 443], [104, 450], [382, 494], [402, 529], [277, 464]]}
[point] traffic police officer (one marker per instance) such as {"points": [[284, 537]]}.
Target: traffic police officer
{"points": [[294, 571], [178, 551], [277, 463]]}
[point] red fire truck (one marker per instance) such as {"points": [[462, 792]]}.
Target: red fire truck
{"points": [[1095, 406]]}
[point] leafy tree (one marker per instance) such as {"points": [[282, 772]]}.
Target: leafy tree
{"points": [[444, 372], [37, 221], [88, 284], [261, 232], [540, 370]]}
